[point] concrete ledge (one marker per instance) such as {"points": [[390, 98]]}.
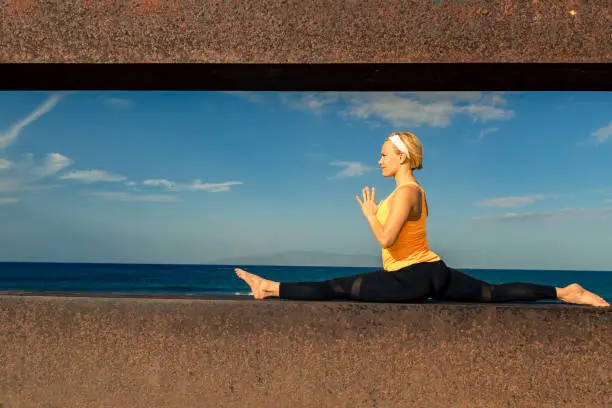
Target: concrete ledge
{"points": [[61, 351], [305, 31]]}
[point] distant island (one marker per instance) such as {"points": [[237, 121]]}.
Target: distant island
{"points": [[304, 258]]}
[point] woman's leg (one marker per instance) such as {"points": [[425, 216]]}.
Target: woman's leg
{"points": [[464, 288], [417, 283], [377, 286], [338, 288]]}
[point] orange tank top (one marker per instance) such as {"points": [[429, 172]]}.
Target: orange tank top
{"points": [[411, 245]]}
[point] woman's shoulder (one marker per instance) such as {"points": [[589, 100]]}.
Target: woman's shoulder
{"points": [[405, 192], [411, 183], [407, 187]]}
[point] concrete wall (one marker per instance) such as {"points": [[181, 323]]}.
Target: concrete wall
{"points": [[110, 352]]}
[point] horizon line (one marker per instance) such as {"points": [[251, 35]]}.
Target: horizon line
{"points": [[283, 266]]}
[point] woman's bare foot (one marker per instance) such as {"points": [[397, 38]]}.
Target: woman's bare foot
{"points": [[576, 294], [261, 288]]}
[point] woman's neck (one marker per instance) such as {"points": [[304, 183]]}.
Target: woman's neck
{"points": [[404, 175]]}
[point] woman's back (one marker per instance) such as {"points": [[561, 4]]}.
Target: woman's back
{"points": [[411, 245]]}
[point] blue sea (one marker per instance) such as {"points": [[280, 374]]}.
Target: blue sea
{"points": [[221, 279]]}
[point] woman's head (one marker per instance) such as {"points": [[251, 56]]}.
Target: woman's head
{"points": [[401, 149]]}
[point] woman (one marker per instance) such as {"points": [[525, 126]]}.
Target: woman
{"points": [[411, 271]]}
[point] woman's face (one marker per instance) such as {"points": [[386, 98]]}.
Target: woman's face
{"points": [[389, 160]]}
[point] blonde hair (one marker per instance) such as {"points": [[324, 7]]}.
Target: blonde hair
{"points": [[414, 146]]}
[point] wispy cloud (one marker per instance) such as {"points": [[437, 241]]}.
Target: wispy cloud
{"points": [[15, 186], [211, 187], [517, 201], [564, 214], [249, 96], [602, 190], [486, 131], [13, 133], [118, 102], [312, 102], [122, 196], [8, 200], [495, 98], [351, 169], [416, 109], [159, 182], [23, 175], [316, 156], [567, 104], [196, 185], [54, 162], [92, 176], [5, 164], [603, 134], [9, 185]]}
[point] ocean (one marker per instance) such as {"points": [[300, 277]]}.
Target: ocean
{"points": [[221, 279]]}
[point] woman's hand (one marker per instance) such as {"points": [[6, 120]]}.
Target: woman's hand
{"points": [[368, 205]]}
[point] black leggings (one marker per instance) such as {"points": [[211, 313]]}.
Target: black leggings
{"points": [[415, 283]]}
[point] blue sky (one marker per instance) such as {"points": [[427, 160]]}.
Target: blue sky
{"points": [[514, 180]]}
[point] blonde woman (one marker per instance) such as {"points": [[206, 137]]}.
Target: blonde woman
{"points": [[411, 272]]}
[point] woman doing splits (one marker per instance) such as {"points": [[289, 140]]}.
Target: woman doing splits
{"points": [[411, 272]]}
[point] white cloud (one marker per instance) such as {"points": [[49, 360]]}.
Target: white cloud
{"points": [[21, 175], [248, 95], [5, 164], [455, 97], [602, 190], [517, 201], [351, 169], [92, 176], [483, 132], [316, 156], [54, 162], [602, 135], [15, 185], [159, 182], [8, 185], [9, 200], [118, 102], [435, 109], [130, 183], [13, 133], [485, 113], [400, 111], [121, 196], [564, 214], [566, 105], [313, 102], [196, 185]]}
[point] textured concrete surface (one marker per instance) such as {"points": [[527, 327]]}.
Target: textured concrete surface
{"points": [[102, 352], [305, 30]]}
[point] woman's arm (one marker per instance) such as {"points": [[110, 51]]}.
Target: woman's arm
{"points": [[404, 205]]}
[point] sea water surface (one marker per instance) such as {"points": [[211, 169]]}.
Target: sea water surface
{"points": [[221, 279]]}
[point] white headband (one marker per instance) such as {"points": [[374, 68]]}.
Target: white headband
{"points": [[395, 139]]}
